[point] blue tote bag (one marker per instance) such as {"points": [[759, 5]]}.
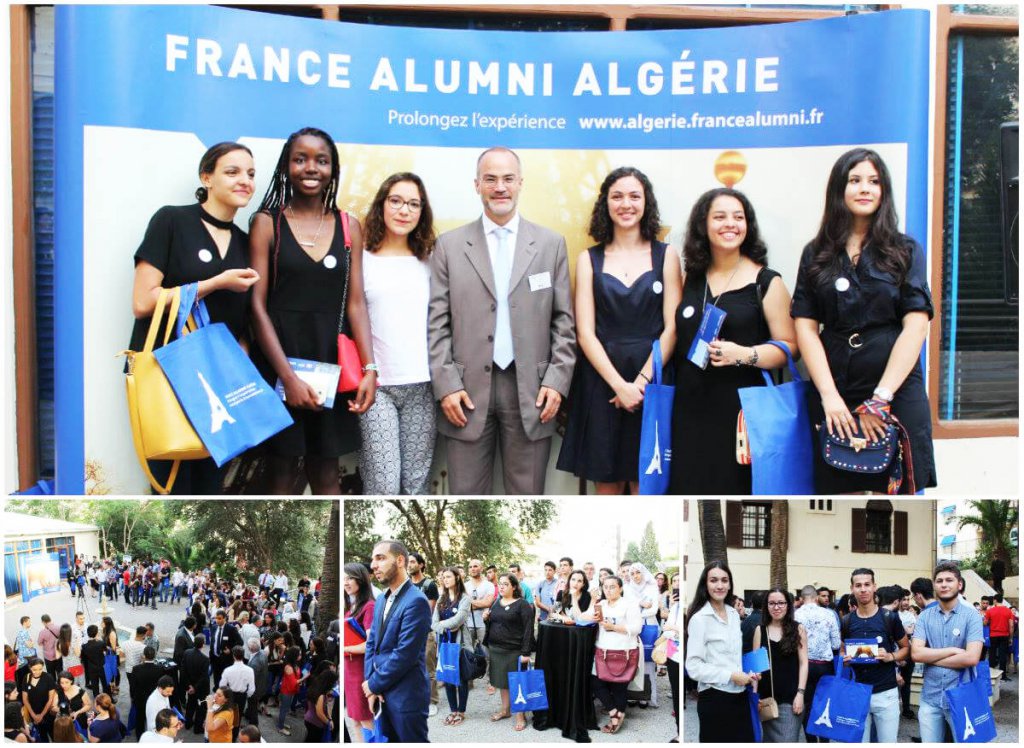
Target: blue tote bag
{"points": [[110, 663], [779, 434], [375, 735], [226, 399], [448, 652], [656, 430], [970, 711], [754, 702], [527, 690], [840, 708], [648, 636]]}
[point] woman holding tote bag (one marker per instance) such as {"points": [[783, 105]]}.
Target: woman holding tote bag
{"points": [[786, 641]]}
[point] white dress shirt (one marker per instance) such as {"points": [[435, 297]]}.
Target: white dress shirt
{"points": [[239, 677], [281, 582], [154, 704], [715, 649]]}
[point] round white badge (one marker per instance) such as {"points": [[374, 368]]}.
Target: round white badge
{"points": [[956, 632], [205, 255], [330, 262], [657, 287], [688, 312], [878, 639], [842, 285]]}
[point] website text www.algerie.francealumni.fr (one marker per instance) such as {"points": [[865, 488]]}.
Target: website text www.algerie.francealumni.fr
{"points": [[696, 120]]}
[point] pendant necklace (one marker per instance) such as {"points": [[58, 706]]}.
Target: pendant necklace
{"points": [[315, 236]]}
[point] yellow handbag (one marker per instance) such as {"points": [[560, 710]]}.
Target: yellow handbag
{"points": [[160, 429]]}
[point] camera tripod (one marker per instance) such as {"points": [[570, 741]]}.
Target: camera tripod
{"points": [[82, 604]]}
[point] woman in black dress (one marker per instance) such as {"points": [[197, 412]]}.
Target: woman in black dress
{"points": [[786, 679], [627, 289], [862, 307], [726, 266], [39, 696], [199, 243], [298, 248], [72, 700]]}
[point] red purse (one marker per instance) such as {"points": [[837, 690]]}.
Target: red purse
{"points": [[616, 665], [348, 354]]}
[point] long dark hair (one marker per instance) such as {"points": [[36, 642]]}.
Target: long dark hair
{"points": [[701, 597], [790, 641], [445, 601], [601, 227], [64, 639], [422, 238], [108, 628], [888, 249], [208, 163], [566, 597], [697, 245], [513, 580], [365, 594], [279, 193]]}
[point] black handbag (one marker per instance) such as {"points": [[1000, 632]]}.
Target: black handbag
{"points": [[859, 454], [473, 663]]}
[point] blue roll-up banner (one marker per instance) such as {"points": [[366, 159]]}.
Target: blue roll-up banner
{"points": [[142, 91], [40, 575]]}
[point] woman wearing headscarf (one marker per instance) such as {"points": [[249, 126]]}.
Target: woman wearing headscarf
{"points": [[644, 588]]}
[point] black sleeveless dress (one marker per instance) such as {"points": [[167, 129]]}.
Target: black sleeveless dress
{"points": [[602, 442], [304, 302], [707, 400]]}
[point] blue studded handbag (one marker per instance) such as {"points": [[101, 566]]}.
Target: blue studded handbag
{"points": [[859, 454]]}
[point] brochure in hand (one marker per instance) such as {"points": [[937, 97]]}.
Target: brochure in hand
{"points": [[320, 376], [710, 326], [862, 651], [756, 661]]}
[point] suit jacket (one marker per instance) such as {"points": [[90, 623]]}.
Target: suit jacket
{"points": [[195, 672], [144, 678], [231, 638], [93, 656], [463, 314], [260, 669], [395, 661], [182, 641]]}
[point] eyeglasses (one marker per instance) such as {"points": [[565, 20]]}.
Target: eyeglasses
{"points": [[777, 605], [396, 204]]}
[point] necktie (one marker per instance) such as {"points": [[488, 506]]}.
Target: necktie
{"points": [[503, 353]]}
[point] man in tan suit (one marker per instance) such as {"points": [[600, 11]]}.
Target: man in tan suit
{"points": [[502, 342]]}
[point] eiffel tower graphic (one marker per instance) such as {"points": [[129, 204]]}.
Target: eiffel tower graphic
{"points": [[520, 699], [655, 466], [218, 413], [824, 719], [968, 727]]}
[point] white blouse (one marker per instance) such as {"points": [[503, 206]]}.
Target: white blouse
{"points": [[714, 649], [621, 612], [397, 291]]}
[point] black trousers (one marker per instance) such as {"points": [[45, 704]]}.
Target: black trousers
{"points": [[907, 672], [195, 712], [611, 695], [54, 667], [724, 717], [97, 683], [239, 698], [673, 681], [815, 671], [998, 653]]}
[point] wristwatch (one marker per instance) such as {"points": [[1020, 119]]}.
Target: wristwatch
{"points": [[883, 394], [371, 367], [800, 690]]}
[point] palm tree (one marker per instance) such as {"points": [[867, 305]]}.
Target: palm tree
{"points": [[327, 610], [712, 531], [780, 544], [995, 519]]}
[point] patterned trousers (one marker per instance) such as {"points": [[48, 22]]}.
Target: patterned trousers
{"points": [[398, 440]]}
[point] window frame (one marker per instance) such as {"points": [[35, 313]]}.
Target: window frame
{"points": [[948, 23], [766, 538]]}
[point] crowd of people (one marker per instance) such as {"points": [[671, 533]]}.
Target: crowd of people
{"points": [[240, 650], [930, 625], [476, 332], [493, 615]]}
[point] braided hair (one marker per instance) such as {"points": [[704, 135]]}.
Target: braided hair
{"points": [[279, 193]]}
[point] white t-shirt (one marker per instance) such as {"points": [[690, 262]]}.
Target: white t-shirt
{"points": [[151, 736], [281, 582], [397, 293], [483, 588]]}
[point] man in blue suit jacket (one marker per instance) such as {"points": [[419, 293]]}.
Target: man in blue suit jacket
{"points": [[396, 668]]}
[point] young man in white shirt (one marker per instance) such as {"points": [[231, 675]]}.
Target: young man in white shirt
{"points": [[165, 728], [159, 700]]}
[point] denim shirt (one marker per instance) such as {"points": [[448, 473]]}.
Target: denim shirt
{"points": [[939, 630]]}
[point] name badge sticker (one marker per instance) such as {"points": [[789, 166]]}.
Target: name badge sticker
{"points": [[205, 255], [540, 281], [842, 285]]}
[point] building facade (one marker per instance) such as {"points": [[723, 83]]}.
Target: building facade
{"points": [[828, 538], [956, 543], [27, 536]]}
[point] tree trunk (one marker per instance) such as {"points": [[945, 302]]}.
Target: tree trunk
{"points": [[712, 531], [780, 544], [327, 610]]}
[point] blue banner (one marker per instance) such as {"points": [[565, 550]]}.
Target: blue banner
{"points": [[148, 76]]}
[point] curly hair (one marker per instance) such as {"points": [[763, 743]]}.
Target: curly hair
{"points": [[421, 238], [697, 245], [601, 228], [887, 246]]}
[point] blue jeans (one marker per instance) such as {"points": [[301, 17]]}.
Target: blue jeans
{"points": [[932, 720], [885, 714], [457, 696], [286, 706]]}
